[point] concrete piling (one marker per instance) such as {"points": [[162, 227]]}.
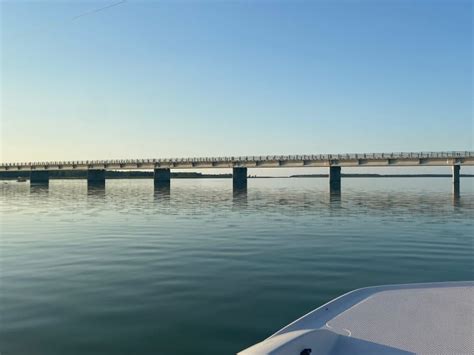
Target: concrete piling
{"points": [[96, 177], [161, 176], [335, 178], [39, 177], [456, 180], [239, 178]]}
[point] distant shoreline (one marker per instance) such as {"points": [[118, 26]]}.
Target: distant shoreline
{"points": [[381, 175], [76, 175]]}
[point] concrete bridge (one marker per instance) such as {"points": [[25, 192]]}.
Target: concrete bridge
{"points": [[39, 171]]}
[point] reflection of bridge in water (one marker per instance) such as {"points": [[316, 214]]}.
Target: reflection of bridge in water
{"points": [[39, 171], [274, 196]]}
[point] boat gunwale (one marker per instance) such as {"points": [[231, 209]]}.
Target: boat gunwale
{"points": [[320, 316]]}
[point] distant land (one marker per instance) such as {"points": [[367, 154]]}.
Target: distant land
{"points": [[82, 174], [379, 175]]}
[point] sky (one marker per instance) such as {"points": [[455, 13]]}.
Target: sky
{"points": [[153, 79]]}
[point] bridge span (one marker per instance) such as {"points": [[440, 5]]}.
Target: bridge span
{"points": [[39, 171]]}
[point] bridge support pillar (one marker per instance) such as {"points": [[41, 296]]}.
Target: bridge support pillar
{"points": [[456, 179], [39, 177], [239, 178], [96, 177], [335, 178], [161, 177]]}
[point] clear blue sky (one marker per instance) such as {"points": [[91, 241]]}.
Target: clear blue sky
{"points": [[194, 78]]}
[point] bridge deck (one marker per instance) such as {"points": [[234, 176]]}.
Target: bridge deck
{"points": [[269, 161]]}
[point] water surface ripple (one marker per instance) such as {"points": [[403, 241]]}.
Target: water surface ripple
{"points": [[203, 269]]}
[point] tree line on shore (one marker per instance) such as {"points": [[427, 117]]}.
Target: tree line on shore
{"points": [[111, 174]]}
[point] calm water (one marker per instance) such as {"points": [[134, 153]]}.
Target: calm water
{"points": [[200, 270]]}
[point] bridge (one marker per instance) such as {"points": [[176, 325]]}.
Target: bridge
{"points": [[39, 171]]}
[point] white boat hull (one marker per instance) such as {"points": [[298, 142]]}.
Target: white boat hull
{"points": [[433, 318]]}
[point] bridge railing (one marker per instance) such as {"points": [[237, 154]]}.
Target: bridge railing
{"points": [[233, 159]]}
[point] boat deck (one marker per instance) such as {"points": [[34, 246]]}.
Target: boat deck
{"points": [[435, 318]]}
